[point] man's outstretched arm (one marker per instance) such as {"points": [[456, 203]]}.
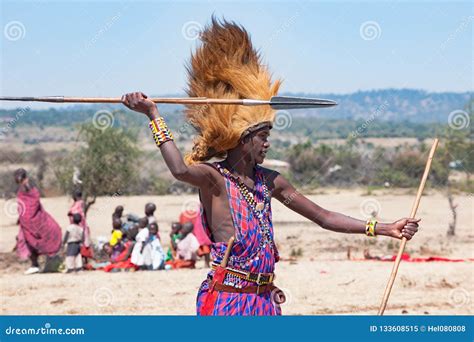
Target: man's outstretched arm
{"points": [[197, 175], [290, 197]]}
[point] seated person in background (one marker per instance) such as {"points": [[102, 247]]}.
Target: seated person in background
{"points": [[141, 239], [118, 212], [174, 235], [129, 223], [142, 223], [154, 232], [132, 218], [186, 248], [120, 262], [107, 251], [132, 232], [73, 238], [101, 258], [194, 216], [127, 242], [150, 212], [154, 257], [125, 253], [129, 219], [116, 237]]}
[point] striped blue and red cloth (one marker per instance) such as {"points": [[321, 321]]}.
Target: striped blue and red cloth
{"points": [[253, 251]]}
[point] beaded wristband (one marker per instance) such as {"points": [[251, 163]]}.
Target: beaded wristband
{"points": [[370, 227], [160, 130]]}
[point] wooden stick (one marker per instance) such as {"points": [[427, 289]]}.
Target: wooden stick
{"points": [[276, 102], [177, 100], [404, 240], [225, 259]]}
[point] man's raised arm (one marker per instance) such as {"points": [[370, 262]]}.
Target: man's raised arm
{"points": [[290, 197], [197, 175]]}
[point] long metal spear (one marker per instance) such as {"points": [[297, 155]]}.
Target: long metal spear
{"points": [[276, 102], [404, 240]]}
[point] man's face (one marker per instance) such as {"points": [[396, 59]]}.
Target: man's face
{"points": [[258, 144]]}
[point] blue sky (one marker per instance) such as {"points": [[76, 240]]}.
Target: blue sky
{"points": [[105, 48]]}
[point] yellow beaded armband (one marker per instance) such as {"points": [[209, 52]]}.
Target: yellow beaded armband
{"points": [[370, 227], [160, 130]]}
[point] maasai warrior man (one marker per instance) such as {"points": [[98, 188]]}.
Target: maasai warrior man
{"points": [[39, 233], [236, 192]]}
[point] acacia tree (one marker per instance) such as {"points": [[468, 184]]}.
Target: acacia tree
{"points": [[107, 163], [459, 150]]}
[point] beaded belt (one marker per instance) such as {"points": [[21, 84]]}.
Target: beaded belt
{"points": [[277, 295], [248, 289], [258, 278]]}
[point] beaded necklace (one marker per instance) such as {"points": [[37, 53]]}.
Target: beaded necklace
{"points": [[257, 208], [244, 190]]}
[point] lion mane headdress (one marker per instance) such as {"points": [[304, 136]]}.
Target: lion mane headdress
{"points": [[226, 66]]}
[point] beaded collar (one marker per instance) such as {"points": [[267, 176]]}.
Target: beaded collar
{"points": [[244, 190], [258, 209]]}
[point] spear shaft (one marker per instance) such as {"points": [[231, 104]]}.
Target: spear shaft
{"points": [[414, 209], [276, 102]]}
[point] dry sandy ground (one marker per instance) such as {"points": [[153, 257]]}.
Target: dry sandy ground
{"points": [[320, 281]]}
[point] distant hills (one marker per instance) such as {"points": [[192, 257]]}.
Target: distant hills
{"points": [[392, 105], [385, 105]]}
